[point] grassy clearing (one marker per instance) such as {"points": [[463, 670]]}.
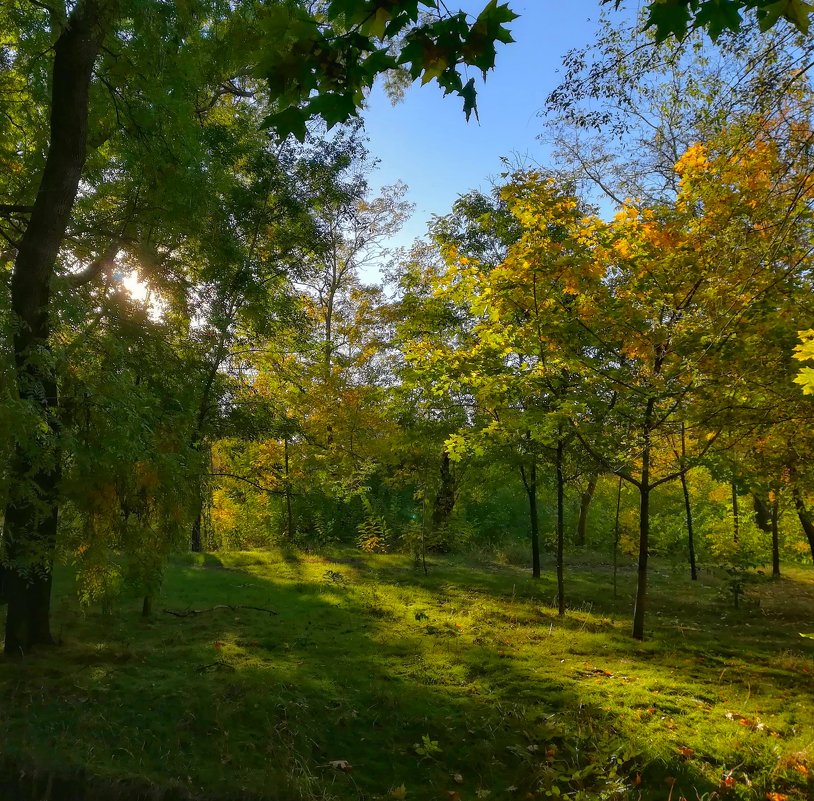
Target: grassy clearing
{"points": [[463, 684]]}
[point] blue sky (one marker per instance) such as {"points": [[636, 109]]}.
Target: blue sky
{"points": [[425, 140]]}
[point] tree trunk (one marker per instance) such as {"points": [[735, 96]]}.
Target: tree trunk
{"points": [[775, 535], [289, 533], [530, 484], [690, 531], [763, 514], [644, 527], [31, 515], [616, 536], [147, 606], [560, 528], [584, 506], [195, 540], [688, 506], [805, 520], [735, 512], [445, 497]]}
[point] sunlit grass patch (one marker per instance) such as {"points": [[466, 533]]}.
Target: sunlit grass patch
{"points": [[350, 676]]}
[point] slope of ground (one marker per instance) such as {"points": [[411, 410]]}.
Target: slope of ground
{"points": [[293, 676]]}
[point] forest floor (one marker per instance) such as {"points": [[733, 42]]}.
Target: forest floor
{"points": [[372, 680]]}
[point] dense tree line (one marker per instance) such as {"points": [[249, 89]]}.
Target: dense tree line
{"points": [[260, 390]]}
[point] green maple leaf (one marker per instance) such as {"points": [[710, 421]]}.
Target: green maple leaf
{"points": [[288, 121], [719, 15], [670, 18], [333, 107]]}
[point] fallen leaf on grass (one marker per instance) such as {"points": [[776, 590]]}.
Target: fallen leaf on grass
{"points": [[801, 769], [399, 793], [341, 764], [685, 751], [457, 778], [776, 797]]}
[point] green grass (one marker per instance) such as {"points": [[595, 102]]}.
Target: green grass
{"points": [[368, 658]]}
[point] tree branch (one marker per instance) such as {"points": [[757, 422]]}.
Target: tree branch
{"points": [[101, 263]]}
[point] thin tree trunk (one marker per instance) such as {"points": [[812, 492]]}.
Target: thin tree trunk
{"points": [[530, 483], [616, 536], [690, 531], [584, 507], [445, 497], [289, 515], [735, 512], [775, 535], [31, 515], [560, 528], [763, 514], [688, 506], [644, 528], [195, 540], [805, 519]]}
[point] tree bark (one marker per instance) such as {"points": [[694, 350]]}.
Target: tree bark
{"points": [[195, 541], [644, 526], [530, 484], [805, 519], [735, 512], [687, 505], [445, 497], [289, 533], [690, 530], [763, 514], [775, 535], [31, 514], [560, 528], [584, 507], [616, 536]]}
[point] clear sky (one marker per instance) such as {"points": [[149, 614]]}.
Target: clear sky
{"points": [[426, 142]]}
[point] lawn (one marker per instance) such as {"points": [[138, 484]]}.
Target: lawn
{"points": [[354, 676]]}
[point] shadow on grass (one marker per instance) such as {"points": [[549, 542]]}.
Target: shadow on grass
{"points": [[362, 681]]}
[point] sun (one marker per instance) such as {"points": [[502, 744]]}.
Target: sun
{"points": [[136, 288]]}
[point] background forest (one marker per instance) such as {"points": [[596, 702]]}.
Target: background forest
{"points": [[210, 343]]}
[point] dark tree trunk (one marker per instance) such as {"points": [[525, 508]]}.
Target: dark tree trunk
{"points": [[644, 527], [616, 536], [687, 505], [805, 520], [31, 515], [445, 497], [690, 531], [560, 528], [775, 535], [530, 483], [147, 606], [195, 540], [584, 507], [763, 514], [289, 533], [736, 519]]}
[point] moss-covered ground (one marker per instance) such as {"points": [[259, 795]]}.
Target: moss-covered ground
{"points": [[373, 680]]}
